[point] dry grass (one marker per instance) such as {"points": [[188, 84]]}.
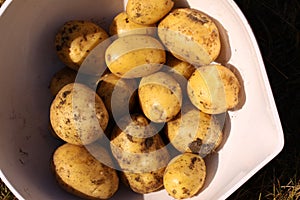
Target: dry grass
{"points": [[276, 24]]}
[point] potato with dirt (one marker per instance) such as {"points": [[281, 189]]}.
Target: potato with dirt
{"points": [[140, 152], [81, 174], [191, 36], [78, 115]]}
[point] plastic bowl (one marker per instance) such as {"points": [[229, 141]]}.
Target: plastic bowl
{"points": [[28, 61]]}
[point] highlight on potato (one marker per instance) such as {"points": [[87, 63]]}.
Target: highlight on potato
{"points": [[146, 101]]}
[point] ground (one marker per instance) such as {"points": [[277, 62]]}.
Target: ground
{"points": [[276, 25]]}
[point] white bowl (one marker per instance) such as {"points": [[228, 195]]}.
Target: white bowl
{"points": [[28, 60]]}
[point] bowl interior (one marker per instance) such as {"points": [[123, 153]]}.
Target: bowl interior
{"points": [[28, 61]]}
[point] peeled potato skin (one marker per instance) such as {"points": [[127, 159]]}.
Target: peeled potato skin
{"points": [[214, 89], [78, 116], [191, 36], [148, 12], [79, 173], [76, 39], [185, 176]]}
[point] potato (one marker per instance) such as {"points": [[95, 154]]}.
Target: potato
{"points": [[214, 89], [160, 97], [194, 131], [122, 26], [181, 71], [122, 91], [79, 173], [78, 115], [148, 12], [76, 39], [62, 78], [138, 148], [191, 36], [135, 56], [185, 176]]}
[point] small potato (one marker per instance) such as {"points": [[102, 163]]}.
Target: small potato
{"points": [[122, 91], [138, 148], [76, 39], [191, 36], [214, 89], [148, 12], [181, 71], [185, 176], [62, 78], [160, 97], [135, 56], [78, 115], [81, 174], [194, 131], [145, 183], [122, 26]]}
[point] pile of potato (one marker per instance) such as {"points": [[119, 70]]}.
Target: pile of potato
{"points": [[160, 72]]}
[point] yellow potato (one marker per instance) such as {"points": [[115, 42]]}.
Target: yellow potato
{"points": [[181, 71], [135, 56], [160, 97], [214, 89], [122, 26], [191, 36], [185, 176], [76, 39], [148, 12], [78, 115], [117, 94], [138, 148], [62, 78], [194, 131], [81, 174]]}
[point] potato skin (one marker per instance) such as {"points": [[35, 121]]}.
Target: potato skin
{"points": [[139, 151], [79, 173], [185, 176], [123, 91], [166, 105], [214, 89], [78, 115], [135, 56], [123, 26], [148, 12], [194, 131], [62, 78], [191, 36], [76, 39]]}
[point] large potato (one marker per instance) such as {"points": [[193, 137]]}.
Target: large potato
{"points": [[135, 56], [78, 115], [118, 94], [194, 131], [214, 89], [191, 36], [138, 148], [76, 39], [62, 78], [81, 174], [148, 12], [122, 26], [160, 97], [185, 176]]}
